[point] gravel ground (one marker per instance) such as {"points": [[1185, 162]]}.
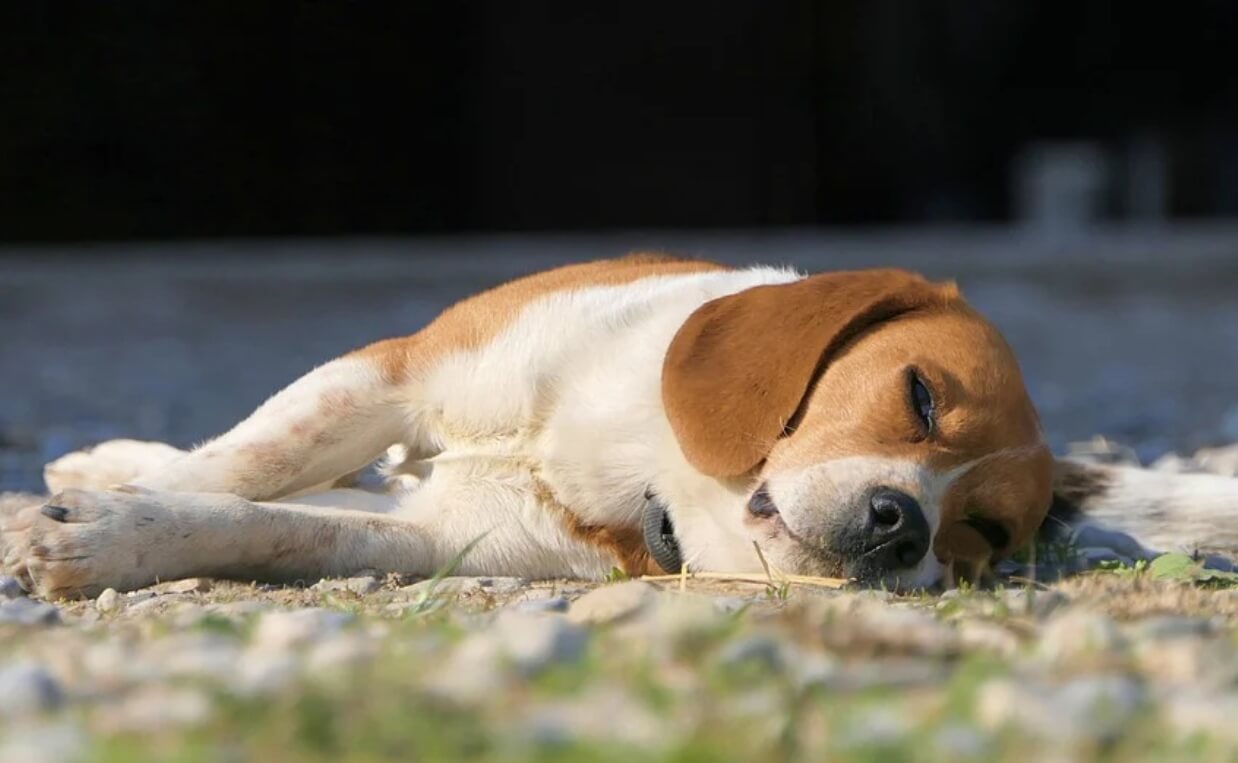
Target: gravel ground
{"points": [[1099, 667], [1126, 334]]}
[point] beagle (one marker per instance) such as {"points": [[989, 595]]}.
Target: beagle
{"points": [[641, 413]]}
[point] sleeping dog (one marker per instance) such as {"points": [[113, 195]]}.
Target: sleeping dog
{"points": [[646, 413]]}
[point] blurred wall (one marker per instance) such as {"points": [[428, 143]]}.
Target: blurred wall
{"points": [[186, 119]]}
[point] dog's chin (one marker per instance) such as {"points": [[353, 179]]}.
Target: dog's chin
{"points": [[784, 551]]}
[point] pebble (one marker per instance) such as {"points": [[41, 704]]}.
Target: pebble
{"points": [[1075, 635], [533, 642], [28, 612], [611, 603], [108, 601], [1186, 660], [10, 588], [197, 655], [987, 637], [162, 601], [190, 585], [552, 604], [1171, 626], [365, 584], [465, 586], [887, 673], [295, 628], [729, 605], [872, 627], [262, 671], [58, 742], [155, 708], [1030, 601], [27, 689], [519, 643], [346, 650], [603, 714], [1192, 714], [1093, 708], [761, 650]]}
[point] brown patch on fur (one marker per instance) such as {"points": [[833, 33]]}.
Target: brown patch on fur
{"points": [[739, 368], [626, 545], [474, 321]]}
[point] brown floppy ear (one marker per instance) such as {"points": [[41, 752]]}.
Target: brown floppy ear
{"points": [[737, 369]]}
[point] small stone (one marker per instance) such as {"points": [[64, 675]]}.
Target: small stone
{"points": [[27, 689], [108, 601], [1170, 627], [760, 650], [603, 714], [1204, 715], [28, 612], [1076, 635], [157, 603], [10, 588], [533, 642], [360, 586], [1030, 601], [886, 673], [155, 708], [1086, 709], [346, 650], [553, 604], [285, 630], [239, 609], [1187, 661], [611, 603], [729, 605], [263, 671], [873, 627], [464, 586], [987, 637], [502, 586], [364, 585], [190, 585], [59, 742], [196, 655], [956, 741]]}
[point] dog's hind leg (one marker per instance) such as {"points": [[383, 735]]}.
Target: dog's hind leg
{"points": [[82, 542], [1140, 512]]}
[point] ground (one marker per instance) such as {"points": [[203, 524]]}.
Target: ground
{"points": [[1111, 664]]}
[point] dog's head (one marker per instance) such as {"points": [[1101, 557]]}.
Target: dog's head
{"points": [[880, 424]]}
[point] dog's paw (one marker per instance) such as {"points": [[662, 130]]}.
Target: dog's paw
{"points": [[82, 542], [15, 524], [110, 463]]}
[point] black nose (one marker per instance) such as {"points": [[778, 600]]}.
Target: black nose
{"points": [[898, 533]]}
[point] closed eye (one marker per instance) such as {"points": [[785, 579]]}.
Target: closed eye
{"points": [[922, 402], [997, 536]]}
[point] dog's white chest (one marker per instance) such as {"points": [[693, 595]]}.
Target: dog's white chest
{"points": [[569, 395]]}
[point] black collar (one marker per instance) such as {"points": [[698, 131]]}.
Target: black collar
{"points": [[660, 540]]}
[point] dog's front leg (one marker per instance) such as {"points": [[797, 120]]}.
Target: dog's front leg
{"points": [[82, 542], [334, 420]]}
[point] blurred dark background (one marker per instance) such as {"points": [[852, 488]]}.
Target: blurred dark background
{"points": [[154, 119], [199, 201]]}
